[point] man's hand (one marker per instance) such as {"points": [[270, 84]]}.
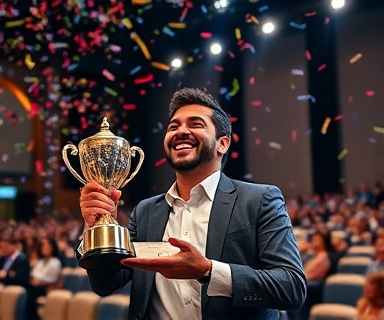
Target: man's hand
{"points": [[187, 264], [95, 200]]}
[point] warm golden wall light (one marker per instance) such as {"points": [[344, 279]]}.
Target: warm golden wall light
{"points": [[17, 92]]}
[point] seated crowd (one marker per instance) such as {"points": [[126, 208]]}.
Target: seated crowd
{"points": [[32, 254]]}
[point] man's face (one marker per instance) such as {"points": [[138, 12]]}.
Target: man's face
{"points": [[190, 140], [6, 248]]}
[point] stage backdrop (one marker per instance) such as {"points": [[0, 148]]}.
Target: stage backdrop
{"points": [[360, 48]]}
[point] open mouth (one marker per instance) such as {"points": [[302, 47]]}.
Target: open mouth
{"points": [[183, 146]]}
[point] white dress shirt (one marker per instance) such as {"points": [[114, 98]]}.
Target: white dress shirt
{"points": [[47, 270], [188, 220]]}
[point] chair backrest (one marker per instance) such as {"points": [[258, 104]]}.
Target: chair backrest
{"points": [[83, 305], [115, 306], [13, 302], [83, 280], [333, 311], [354, 264], [56, 305], [343, 288], [361, 251], [73, 279]]}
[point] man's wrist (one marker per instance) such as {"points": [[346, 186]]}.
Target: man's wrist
{"points": [[206, 278]]}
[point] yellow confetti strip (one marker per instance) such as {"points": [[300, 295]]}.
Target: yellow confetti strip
{"points": [[28, 62], [326, 123], [342, 154], [30, 145], [356, 58], [160, 66], [379, 129], [127, 22], [141, 2], [16, 23], [238, 33], [141, 44], [177, 25]]}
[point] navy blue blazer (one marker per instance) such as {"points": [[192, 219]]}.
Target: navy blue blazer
{"points": [[249, 228], [18, 273]]}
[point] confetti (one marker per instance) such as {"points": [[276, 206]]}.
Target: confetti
{"points": [[342, 154], [28, 62], [160, 162], [108, 75], [141, 44], [142, 80], [177, 25], [275, 145], [161, 66], [355, 58], [325, 125], [378, 129]]}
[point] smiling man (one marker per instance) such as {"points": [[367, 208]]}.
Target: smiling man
{"points": [[238, 256]]}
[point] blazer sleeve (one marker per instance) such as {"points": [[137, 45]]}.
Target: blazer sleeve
{"points": [[278, 281], [18, 274]]}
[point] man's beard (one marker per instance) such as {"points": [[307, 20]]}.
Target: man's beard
{"points": [[206, 154]]}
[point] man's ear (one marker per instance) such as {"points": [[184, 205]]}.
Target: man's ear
{"points": [[223, 144]]}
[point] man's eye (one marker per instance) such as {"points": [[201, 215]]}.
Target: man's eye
{"points": [[197, 125], [172, 128]]}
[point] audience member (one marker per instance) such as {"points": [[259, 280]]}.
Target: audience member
{"points": [[14, 264], [378, 263], [44, 274], [371, 305], [320, 263]]}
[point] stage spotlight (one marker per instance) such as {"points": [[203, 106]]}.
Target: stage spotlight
{"points": [[337, 4], [176, 63], [216, 48], [220, 4], [268, 27]]}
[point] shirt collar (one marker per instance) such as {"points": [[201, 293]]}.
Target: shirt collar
{"points": [[209, 184]]}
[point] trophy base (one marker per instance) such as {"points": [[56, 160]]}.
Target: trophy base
{"points": [[104, 258]]}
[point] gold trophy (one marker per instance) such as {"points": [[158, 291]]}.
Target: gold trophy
{"points": [[106, 159]]}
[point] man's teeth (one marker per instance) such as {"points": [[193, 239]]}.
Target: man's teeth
{"points": [[183, 146]]}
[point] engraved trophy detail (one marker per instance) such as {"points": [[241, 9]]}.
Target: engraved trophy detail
{"points": [[106, 159]]}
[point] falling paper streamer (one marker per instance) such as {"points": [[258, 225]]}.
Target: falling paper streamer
{"points": [[28, 62], [342, 154], [355, 58], [161, 66], [108, 75], [378, 129], [177, 25], [141, 44], [275, 145], [160, 162], [325, 125]]}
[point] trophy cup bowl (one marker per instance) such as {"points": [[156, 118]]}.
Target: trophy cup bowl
{"points": [[106, 159]]}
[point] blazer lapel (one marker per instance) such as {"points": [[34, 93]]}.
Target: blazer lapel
{"points": [[158, 221], [220, 216]]}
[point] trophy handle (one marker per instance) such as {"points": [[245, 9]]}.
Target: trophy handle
{"points": [[74, 153], [133, 152]]}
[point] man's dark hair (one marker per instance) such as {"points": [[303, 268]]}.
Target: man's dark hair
{"points": [[200, 96], [187, 96]]}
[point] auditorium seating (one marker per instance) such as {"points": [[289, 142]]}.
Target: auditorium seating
{"points": [[83, 305], [113, 307], [331, 311], [13, 301], [56, 305], [354, 264]]}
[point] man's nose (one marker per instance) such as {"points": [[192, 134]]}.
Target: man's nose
{"points": [[182, 130]]}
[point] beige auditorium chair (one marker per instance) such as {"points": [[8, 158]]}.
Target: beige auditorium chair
{"points": [[354, 264], [13, 301], [83, 305], [365, 251], [56, 305], [114, 307], [333, 311]]}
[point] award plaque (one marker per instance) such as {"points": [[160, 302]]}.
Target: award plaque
{"points": [[106, 159]]}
